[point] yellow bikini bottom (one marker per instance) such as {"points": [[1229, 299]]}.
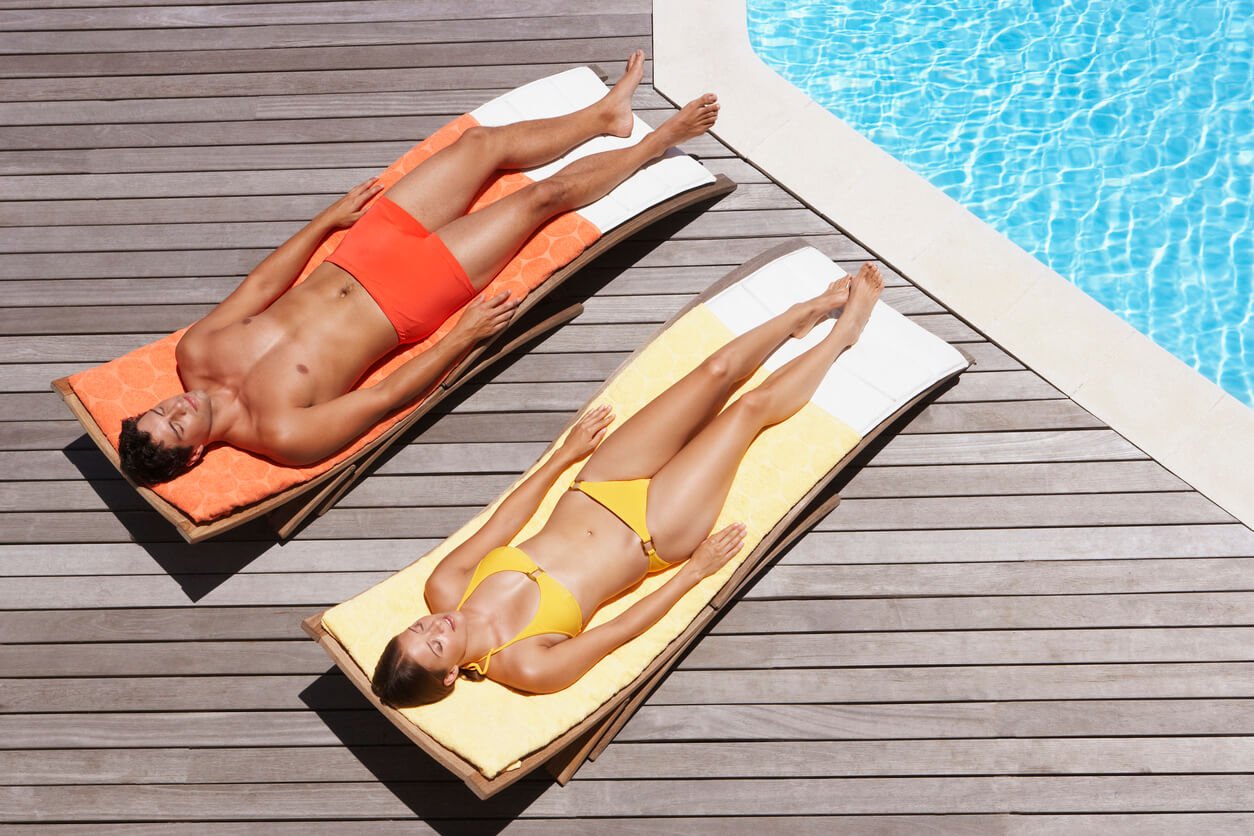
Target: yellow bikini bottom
{"points": [[627, 500]]}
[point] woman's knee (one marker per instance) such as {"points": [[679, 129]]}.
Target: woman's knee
{"points": [[480, 141], [717, 367], [756, 405]]}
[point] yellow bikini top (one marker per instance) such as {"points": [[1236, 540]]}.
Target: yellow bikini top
{"points": [[558, 611]]}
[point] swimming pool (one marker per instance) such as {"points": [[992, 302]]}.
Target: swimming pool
{"points": [[1113, 141]]}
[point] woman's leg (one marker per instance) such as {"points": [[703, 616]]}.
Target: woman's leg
{"points": [[483, 242], [647, 440], [442, 188], [688, 493]]}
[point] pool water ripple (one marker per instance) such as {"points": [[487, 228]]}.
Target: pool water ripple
{"points": [[1113, 141]]}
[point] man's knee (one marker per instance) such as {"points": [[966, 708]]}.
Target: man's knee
{"points": [[550, 195], [479, 139]]}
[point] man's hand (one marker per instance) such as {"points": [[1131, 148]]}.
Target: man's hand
{"points": [[345, 211], [484, 317], [587, 434], [715, 551]]}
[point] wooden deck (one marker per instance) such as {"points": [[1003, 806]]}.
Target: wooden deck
{"points": [[1015, 622]]}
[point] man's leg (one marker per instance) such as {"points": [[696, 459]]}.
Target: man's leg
{"points": [[441, 189], [484, 241]]}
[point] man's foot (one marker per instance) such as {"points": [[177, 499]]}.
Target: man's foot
{"points": [[696, 118], [617, 102], [822, 306], [863, 292]]}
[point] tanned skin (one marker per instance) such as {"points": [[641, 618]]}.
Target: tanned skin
{"points": [[691, 448], [271, 368]]}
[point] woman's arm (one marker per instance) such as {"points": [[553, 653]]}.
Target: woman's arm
{"points": [[451, 576], [562, 663]]}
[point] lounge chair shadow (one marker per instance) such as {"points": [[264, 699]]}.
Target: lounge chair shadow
{"points": [[198, 569], [416, 779]]}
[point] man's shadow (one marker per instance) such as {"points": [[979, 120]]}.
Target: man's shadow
{"points": [[197, 569], [420, 782]]}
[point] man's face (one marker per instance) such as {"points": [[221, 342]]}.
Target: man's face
{"points": [[180, 421]]}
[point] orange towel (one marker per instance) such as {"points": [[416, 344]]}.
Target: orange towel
{"points": [[229, 478]]}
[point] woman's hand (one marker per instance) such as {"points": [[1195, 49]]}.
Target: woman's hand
{"points": [[345, 211], [588, 432], [715, 551], [483, 317]]}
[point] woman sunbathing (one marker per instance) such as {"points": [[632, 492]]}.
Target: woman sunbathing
{"points": [[647, 499]]}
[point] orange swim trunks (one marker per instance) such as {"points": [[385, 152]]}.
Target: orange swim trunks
{"points": [[409, 272]]}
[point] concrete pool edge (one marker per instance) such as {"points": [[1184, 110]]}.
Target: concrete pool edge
{"points": [[1182, 420]]}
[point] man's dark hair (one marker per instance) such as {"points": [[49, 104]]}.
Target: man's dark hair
{"points": [[403, 683], [146, 461]]}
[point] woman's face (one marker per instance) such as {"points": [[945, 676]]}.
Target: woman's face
{"points": [[436, 641]]}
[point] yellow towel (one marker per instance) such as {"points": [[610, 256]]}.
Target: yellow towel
{"points": [[492, 726]]}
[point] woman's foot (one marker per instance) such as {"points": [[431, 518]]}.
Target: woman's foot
{"points": [[616, 106], [814, 311], [863, 292], [696, 117]]}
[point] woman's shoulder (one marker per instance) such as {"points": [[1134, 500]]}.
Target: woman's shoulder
{"points": [[444, 590]]}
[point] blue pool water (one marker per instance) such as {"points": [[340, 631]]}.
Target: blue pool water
{"points": [[1112, 139]]}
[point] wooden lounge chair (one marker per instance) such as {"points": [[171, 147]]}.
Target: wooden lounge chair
{"points": [[231, 487], [490, 736]]}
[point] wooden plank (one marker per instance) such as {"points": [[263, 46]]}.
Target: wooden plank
{"points": [[237, 263], [260, 14], [219, 157], [162, 658], [920, 513], [629, 798], [448, 103], [1027, 511], [817, 548], [322, 81], [271, 207], [317, 59], [722, 651], [981, 824], [958, 683], [877, 580], [344, 33], [992, 545], [164, 235], [981, 647], [1080, 718], [153, 624], [683, 687], [1100, 756], [1027, 612]]}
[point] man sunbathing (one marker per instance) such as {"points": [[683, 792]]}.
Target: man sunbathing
{"points": [[646, 499], [271, 368]]}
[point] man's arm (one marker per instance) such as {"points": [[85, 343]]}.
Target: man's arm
{"points": [[305, 435], [561, 664], [275, 274]]}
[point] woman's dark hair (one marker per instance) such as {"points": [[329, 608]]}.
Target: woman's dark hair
{"points": [[402, 683], [146, 461]]}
